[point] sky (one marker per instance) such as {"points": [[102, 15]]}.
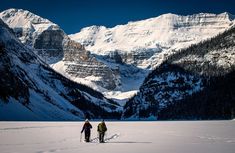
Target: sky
{"points": [[73, 15]]}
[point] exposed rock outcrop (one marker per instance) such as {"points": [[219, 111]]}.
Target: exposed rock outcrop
{"points": [[81, 64]]}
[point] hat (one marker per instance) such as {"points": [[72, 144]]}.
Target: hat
{"points": [[86, 120]]}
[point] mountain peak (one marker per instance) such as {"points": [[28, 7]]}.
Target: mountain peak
{"points": [[228, 15], [26, 24], [94, 28], [23, 18], [23, 15]]}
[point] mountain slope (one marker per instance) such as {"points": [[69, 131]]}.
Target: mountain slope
{"points": [[54, 47], [195, 83], [30, 90]]}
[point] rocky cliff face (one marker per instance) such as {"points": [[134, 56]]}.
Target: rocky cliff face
{"points": [[80, 63], [49, 45], [53, 45]]}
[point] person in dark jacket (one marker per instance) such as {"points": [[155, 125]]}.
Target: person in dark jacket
{"points": [[101, 129], [87, 128]]}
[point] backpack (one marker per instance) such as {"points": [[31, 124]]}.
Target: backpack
{"points": [[102, 127]]}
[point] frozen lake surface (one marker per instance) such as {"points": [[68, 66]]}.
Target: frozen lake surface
{"points": [[122, 137]]}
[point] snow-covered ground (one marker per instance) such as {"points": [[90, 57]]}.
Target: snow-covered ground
{"points": [[122, 137]]}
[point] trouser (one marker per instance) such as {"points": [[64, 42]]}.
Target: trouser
{"points": [[87, 136], [101, 136]]}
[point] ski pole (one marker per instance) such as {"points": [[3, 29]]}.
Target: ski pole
{"points": [[80, 137], [105, 135]]}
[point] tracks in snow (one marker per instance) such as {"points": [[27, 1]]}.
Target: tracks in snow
{"points": [[108, 138]]}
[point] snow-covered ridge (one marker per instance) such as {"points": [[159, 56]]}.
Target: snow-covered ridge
{"points": [[23, 17], [168, 31], [26, 24]]}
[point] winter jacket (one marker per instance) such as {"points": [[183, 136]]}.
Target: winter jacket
{"points": [[86, 127], [102, 127]]}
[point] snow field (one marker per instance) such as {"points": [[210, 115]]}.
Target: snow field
{"points": [[126, 137]]}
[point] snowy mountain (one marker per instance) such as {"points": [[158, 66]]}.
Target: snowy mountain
{"points": [[54, 47], [194, 83], [147, 43], [31, 90], [119, 58], [139, 41]]}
